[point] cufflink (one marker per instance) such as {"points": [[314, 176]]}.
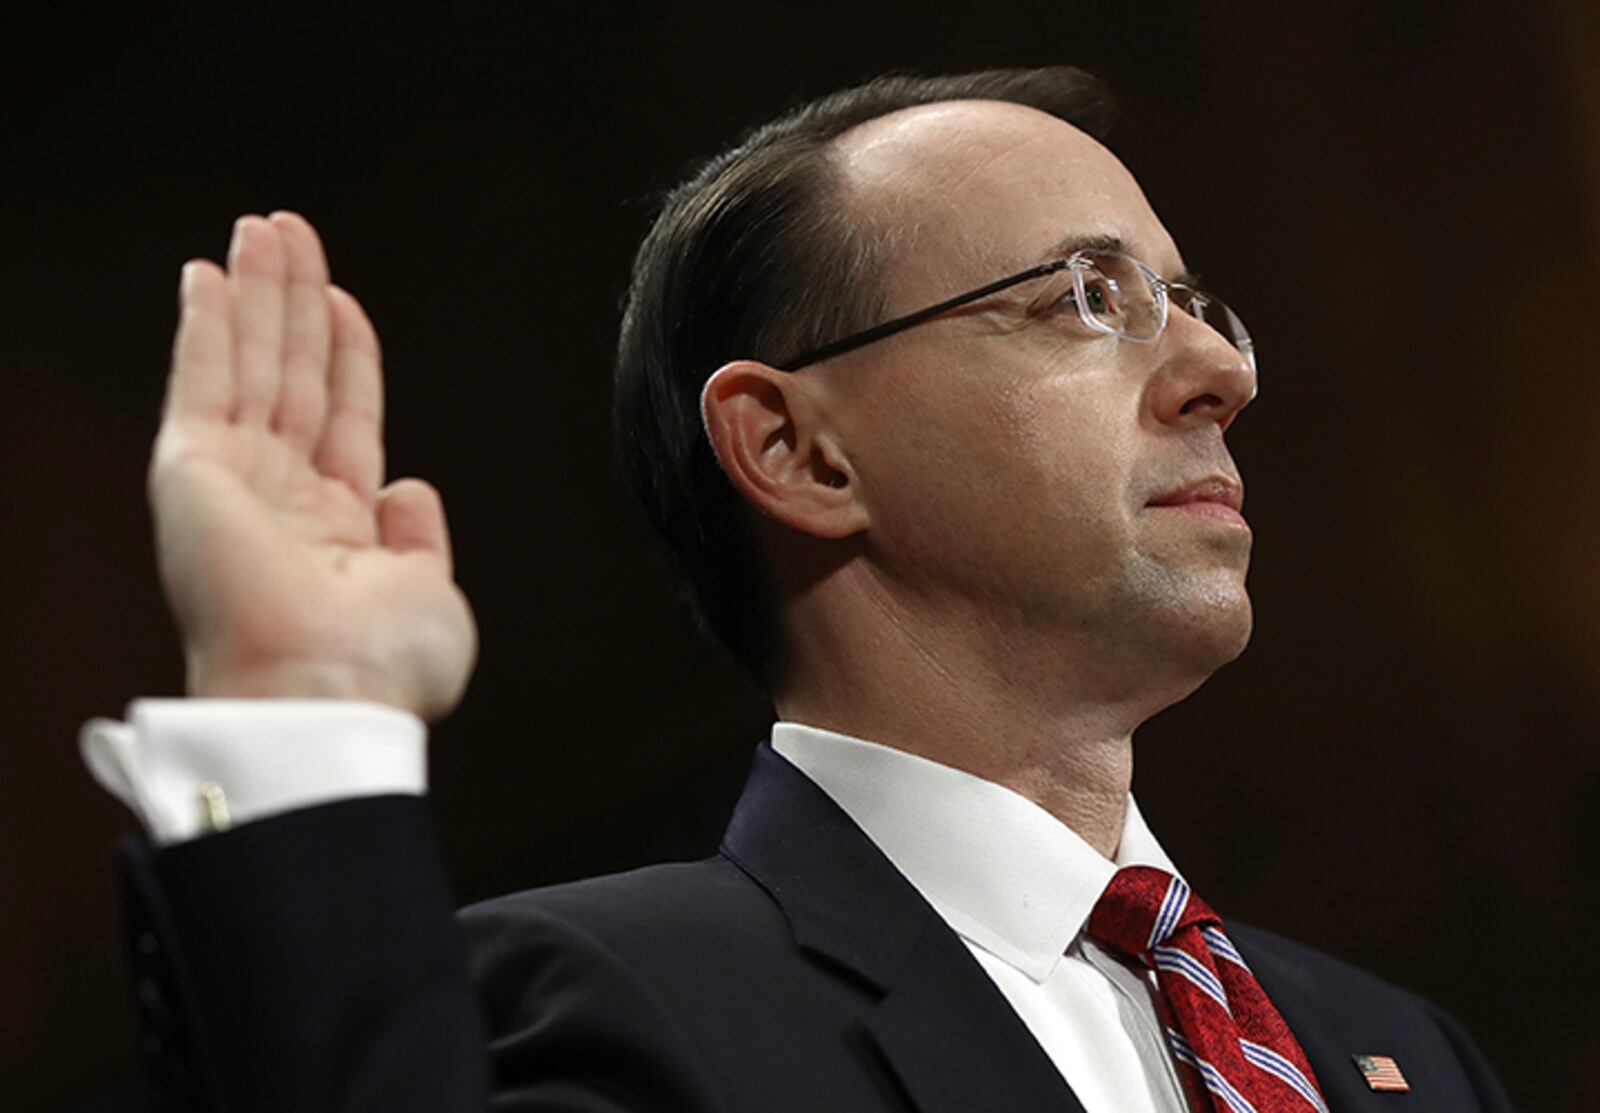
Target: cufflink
{"points": [[214, 807]]}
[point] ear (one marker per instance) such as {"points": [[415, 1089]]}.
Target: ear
{"points": [[769, 431]]}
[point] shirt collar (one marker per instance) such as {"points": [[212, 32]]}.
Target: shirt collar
{"points": [[1004, 873]]}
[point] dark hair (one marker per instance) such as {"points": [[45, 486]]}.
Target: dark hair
{"points": [[750, 258]]}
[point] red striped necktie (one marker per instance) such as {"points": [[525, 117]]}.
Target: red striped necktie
{"points": [[1234, 1051]]}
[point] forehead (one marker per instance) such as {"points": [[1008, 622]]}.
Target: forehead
{"points": [[971, 189]]}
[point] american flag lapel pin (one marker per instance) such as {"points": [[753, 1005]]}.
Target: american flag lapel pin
{"points": [[1382, 1073]]}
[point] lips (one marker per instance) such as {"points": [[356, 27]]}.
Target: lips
{"points": [[1214, 490]]}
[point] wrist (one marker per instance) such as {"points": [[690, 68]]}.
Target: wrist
{"points": [[323, 680]]}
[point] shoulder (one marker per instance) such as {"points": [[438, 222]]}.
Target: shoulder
{"points": [[686, 976], [1308, 970], [691, 935], [681, 932], [1338, 1011], [582, 983], [1291, 970], [657, 909]]}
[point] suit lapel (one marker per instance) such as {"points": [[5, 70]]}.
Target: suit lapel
{"points": [[979, 1055], [945, 1031]]}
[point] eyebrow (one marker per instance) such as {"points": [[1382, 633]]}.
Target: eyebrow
{"points": [[1105, 241], [1092, 241]]}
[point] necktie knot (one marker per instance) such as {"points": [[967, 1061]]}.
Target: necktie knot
{"points": [[1143, 908]]}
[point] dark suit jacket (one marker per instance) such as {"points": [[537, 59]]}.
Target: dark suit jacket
{"points": [[309, 962]]}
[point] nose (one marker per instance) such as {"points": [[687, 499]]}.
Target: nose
{"points": [[1201, 377]]}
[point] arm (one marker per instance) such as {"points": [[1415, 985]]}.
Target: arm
{"points": [[304, 962], [308, 960]]}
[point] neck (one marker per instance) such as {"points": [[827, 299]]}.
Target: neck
{"points": [[1018, 709]]}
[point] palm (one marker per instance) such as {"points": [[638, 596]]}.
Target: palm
{"points": [[289, 570]]}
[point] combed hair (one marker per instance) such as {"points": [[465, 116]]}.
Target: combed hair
{"points": [[754, 257]]}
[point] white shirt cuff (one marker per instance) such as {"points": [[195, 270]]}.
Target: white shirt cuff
{"points": [[188, 767]]}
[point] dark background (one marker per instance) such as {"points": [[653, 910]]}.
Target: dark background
{"points": [[1401, 198]]}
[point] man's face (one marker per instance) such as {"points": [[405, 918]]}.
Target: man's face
{"points": [[1021, 471]]}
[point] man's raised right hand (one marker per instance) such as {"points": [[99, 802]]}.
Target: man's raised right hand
{"points": [[291, 570]]}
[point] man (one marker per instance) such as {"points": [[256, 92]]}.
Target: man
{"points": [[913, 385]]}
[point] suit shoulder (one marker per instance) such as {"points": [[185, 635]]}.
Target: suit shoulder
{"points": [[1337, 1009], [567, 976], [663, 898], [662, 919], [1311, 970]]}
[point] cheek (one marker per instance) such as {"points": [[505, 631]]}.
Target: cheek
{"points": [[1069, 448], [926, 467], [1008, 474], [1072, 440], [1064, 425]]}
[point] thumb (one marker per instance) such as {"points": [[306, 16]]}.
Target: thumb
{"points": [[411, 519]]}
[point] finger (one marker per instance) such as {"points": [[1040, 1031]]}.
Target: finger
{"points": [[257, 276], [351, 447], [303, 392], [202, 383], [411, 519]]}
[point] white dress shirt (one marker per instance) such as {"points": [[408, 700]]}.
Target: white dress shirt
{"points": [[1016, 884], [174, 759]]}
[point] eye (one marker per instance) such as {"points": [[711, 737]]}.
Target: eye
{"points": [[1105, 296], [1102, 296]]}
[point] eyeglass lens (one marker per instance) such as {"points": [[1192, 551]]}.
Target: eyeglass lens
{"points": [[1114, 295], [1117, 294], [1215, 313]]}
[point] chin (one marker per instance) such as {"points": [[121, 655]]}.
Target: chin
{"points": [[1162, 654], [1211, 635]]}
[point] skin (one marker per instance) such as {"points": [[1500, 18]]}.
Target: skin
{"points": [[963, 520], [290, 568], [968, 519]]}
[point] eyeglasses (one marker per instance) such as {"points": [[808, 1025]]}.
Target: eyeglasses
{"points": [[1113, 293]]}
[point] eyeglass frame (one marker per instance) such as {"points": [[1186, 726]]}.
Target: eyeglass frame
{"points": [[1076, 263]]}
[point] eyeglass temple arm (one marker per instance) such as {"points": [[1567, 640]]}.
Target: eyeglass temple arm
{"points": [[900, 324]]}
